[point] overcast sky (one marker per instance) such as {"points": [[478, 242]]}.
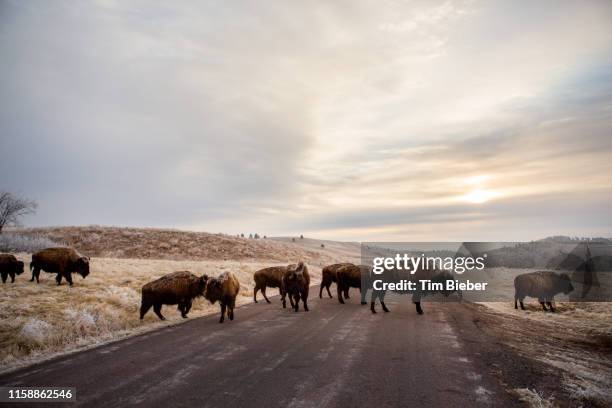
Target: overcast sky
{"points": [[354, 120]]}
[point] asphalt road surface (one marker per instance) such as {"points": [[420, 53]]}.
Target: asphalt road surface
{"points": [[333, 356]]}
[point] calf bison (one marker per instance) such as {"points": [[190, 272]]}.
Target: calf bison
{"points": [[328, 276], [10, 266], [349, 276], [271, 277], [432, 275], [296, 282], [176, 288], [223, 289], [62, 261], [543, 285]]}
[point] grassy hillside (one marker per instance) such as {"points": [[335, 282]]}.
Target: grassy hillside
{"points": [[149, 243]]}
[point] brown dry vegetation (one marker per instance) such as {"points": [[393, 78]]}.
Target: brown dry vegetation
{"points": [[41, 320], [576, 341], [150, 243]]}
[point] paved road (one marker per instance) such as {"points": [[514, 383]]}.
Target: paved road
{"points": [[335, 356]]}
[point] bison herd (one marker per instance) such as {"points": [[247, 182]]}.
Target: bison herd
{"points": [[180, 288]]}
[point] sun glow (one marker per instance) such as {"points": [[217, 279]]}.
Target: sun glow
{"points": [[479, 196]]}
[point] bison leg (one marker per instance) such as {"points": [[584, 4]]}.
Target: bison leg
{"points": [[384, 307], [515, 299], [373, 306], [255, 289], [550, 306], [328, 292], [296, 304], [58, 278], [321, 290], [339, 293], [223, 308], [68, 277], [186, 307], [157, 309], [144, 308], [4, 276], [544, 306], [290, 296], [263, 292], [522, 305], [346, 293], [35, 274], [12, 275], [363, 296], [305, 299], [283, 294], [418, 308]]}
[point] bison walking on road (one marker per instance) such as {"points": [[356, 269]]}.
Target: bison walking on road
{"points": [[543, 285], [350, 276], [10, 266], [223, 289], [62, 261], [329, 276], [296, 282], [176, 288], [271, 277]]}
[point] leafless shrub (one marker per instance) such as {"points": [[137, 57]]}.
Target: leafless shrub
{"points": [[12, 208]]}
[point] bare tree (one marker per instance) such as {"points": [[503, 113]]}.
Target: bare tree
{"points": [[12, 208]]}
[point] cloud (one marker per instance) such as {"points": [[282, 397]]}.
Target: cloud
{"points": [[342, 119]]}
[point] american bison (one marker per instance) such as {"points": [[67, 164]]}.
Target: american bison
{"points": [[176, 288], [349, 276], [543, 285], [296, 282], [328, 276], [432, 275], [10, 266], [62, 261], [271, 277], [223, 289]]}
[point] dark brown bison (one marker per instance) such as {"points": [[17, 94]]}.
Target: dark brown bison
{"points": [[349, 276], [433, 275], [543, 285], [328, 276], [296, 281], [62, 261], [176, 288], [10, 266], [271, 277], [223, 289]]}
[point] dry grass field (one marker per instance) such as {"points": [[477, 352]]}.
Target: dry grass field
{"points": [[41, 320], [576, 341]]}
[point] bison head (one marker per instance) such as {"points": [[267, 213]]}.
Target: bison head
{"points": [[19, 268], [564, 284], [295, 276], [214, 290], [82, 266]]}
